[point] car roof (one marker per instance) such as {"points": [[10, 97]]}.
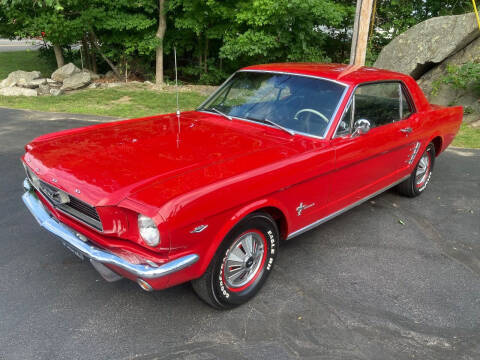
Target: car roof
{"points": [[347, 74]]}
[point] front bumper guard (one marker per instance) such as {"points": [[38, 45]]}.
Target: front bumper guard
{"points": [[87, 249]]}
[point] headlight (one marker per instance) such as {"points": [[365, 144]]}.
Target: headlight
{"points": [[33, 178], [148, 230]]}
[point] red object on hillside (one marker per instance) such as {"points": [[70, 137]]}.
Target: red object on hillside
{"points": [[206, 197]]}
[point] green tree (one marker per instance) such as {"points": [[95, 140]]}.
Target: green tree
{"points": [[279, 30], [26, 18]]}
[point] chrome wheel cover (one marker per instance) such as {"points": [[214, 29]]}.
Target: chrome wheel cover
{"points": [[244, 259], [423, 169]]}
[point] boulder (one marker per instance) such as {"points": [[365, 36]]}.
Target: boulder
{"points": [[55, 84], [19, 78], [56, 92], [77, 81], [17, 91], [109, 74], [35, 83], [44, 89], [93, 85], [443, 94], [93, 75], [428, 43], [113, 84], [64, 72]]}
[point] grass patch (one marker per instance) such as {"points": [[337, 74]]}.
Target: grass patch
{"points": [[24, 60], [125, 103], [468, 137]]}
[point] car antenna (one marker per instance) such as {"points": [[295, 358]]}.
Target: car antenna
{"points": [[176, 78], [176, 89]]}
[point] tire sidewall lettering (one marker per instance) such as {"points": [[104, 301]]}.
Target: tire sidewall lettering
{"points": [[424, 186], [271, 251]]}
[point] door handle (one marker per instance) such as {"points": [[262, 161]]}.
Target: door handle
{"points": [[406, 130]]}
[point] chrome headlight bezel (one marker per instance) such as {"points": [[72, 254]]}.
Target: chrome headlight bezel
{"points": [[32, 177]]}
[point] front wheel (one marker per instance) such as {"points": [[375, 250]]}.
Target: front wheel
{"points": [[242, 263], [420, 177]]}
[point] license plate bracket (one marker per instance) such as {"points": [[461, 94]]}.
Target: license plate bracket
{"points": [[73, 250]]}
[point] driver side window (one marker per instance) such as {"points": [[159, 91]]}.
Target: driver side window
{"points": [[379, 103]]}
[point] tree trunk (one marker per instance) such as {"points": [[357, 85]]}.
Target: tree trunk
{"points": [[205, 55], [200, 51], [94, 42], [93, 57], [57, 49], [86, 52], [162, 27]]}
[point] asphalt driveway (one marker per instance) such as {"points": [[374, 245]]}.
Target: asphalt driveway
{"points": [[394, 278]]}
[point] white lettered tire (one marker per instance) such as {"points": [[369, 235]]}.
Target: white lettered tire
{"points": [[421, 174], [241, 264]]}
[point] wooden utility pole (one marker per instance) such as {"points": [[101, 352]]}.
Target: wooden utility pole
{"points": [[361, 27]]}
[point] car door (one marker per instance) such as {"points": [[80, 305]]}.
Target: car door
{"points": [[370, 159]]}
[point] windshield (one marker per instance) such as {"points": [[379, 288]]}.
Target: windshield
{"points": [[299, 103]]}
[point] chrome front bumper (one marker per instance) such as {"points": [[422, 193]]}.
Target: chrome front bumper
{"points": [[87, 249]]}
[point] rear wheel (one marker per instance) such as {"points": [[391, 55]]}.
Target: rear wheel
{"points": [[242, 263], [420, 177]]}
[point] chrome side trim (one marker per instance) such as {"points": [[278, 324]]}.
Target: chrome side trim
{"points": [[414, 153], [341, 211], [87, 249]]}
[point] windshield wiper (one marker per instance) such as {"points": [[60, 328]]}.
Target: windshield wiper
{"points": [[291, 132], [220, 113]]}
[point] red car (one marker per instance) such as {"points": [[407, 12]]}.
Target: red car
{"points": [[207, 195]]}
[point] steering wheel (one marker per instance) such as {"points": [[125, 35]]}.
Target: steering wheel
{"points": [[307, 122], [313, 111]]}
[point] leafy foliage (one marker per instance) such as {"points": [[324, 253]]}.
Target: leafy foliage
{"points": [[212, 37], [460, 77]]}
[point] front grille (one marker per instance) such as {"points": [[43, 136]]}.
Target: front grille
{"points": [[84, 208], [67, 203], [74, 207]]}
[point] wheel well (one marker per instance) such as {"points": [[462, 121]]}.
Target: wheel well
{"points": [[279, 218], [437, 143]]}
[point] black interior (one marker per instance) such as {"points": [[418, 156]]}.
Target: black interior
{"points": [[378, 110]]}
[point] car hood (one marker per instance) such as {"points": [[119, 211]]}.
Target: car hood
{"points": [[103, 164]]}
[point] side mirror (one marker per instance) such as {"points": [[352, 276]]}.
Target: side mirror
{"points": [[361, 127]]}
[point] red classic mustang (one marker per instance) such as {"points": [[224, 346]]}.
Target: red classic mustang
{"points": [[207, 195]]}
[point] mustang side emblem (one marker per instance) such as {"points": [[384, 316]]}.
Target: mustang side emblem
{"points": [[302, 207]]}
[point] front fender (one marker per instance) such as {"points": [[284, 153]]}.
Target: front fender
{"points": [[206, 243], [235, 217]]}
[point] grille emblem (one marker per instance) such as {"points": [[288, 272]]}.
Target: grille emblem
{"points": [[57, 196]]}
